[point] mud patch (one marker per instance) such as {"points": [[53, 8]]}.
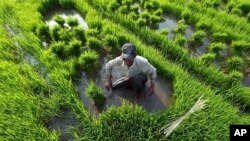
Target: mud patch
{"points": [[169, 23], [62, 123]]}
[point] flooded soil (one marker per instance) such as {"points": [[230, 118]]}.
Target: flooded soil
{"points": [[170, 24], [65, 13], [246, 81], [62, 123], [154, 103]]}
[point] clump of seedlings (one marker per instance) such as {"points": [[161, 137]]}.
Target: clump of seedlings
{"points": [[203, 25], [180, 40], [234, 63], [207, 58], [42, 31], [239, 47], [197, 37], [88, 61], [59, 48], [94, 43], [95, 93], [181, 27], [216, 47], [59, 19], [164, 31], [112, 44], [236, 76], [220, 37], [79, 33], [72, 22], [54, 32], [74, 48], [186, 15]]}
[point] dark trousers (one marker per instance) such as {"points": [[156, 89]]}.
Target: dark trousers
{"points": [[136, 83]]}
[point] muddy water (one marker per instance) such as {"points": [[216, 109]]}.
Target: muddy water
{"points": [[246, 81], [157, 102], [203, 48], [65, 13], [170, 24], [62, 123]]}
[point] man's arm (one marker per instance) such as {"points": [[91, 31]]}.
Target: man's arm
{"points": [[108, 67], [151, 70]]}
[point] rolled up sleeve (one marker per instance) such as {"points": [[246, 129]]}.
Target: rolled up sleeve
{"points": [[109, 66], [150, 70]]}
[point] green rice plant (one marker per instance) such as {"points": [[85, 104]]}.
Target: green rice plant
{"points": [[126, 2], [122, 39], [247, 62], [112, 5], [216, 47], [236, 76], [92, 32], [164, 31], [186, 15], [79, 33], [135, 8], [231, 5], [124, 9], [95, 93], [236, 11], [72, 22], [220, 37], [203, 25], [112, 42], [59, 19], [234, 63], [141, 22], [58, 48], [181, 27], [42, 31], [145, 15], [197, 37], [94, 23], [207, 58], [244, 7], [180, 40], [65, 35], [239, 46], [153, 21], [94, 43], [248, 17], [67, 3], [151, 5], [88, 61], [54, 32], [158, 12], [74, 48], [133, 15]]}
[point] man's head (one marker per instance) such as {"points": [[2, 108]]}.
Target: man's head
{"points": [[128, 53]]}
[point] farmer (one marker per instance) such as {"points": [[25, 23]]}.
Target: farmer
{"points": [[136, 68]]}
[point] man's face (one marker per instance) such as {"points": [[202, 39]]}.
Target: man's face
{"points": [[128, 62]]}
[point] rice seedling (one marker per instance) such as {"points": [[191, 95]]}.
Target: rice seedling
{"points": [[197, 37], [220, 37], [216, 47], [54, 32], [164, 31], [66, 3], [236, 76], [234, 63], [94, 43], [236, 11], [231, 5], [180, 40], [72, 22], [74, 48], [124, 9], [88, 61], [244, 7], [158, 12], [141, 22], [59, 19], [248, 17], [203, 25], [207, 58], [79, 33], [95, 93], [133, 15], [42, 31], [92, 32], [59, 48], [186, 15], [239, 47], [65, 35], [181, 27]]}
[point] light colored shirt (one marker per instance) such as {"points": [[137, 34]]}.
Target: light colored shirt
{"points": [[140, 65]]}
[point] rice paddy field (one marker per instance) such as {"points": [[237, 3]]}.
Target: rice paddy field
{"points": [[52, 57]]}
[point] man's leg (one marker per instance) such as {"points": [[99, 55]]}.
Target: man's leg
{"points": [[121, 83], [138, 82]]}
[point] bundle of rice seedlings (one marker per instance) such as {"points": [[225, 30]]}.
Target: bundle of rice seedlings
{"points": [[169, 128]]}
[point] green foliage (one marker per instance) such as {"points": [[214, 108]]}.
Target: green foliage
{"points": [[207, 58], [181, 27], [135, 8], [240, 46], [92, 32], [158, 12], [65, 35], [67, 3], [54, 32], [59, 19], [197, 37], [248, 17], [59, 48], [88, 61], [74, 48], [220, 37], [131, 123], [180, 40], [42, 31], [234, 63], [79, 33], [141, 22], [164, 31], [216, 47], [124, 9], [203, 25], [236, 11], [236, 76], [112, 43], [72, 22], [95, 93], [94, 43], [186, 15], [244, 7]]}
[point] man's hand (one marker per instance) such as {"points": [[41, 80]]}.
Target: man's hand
{"points": [[151, 89], [108, 85]]}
